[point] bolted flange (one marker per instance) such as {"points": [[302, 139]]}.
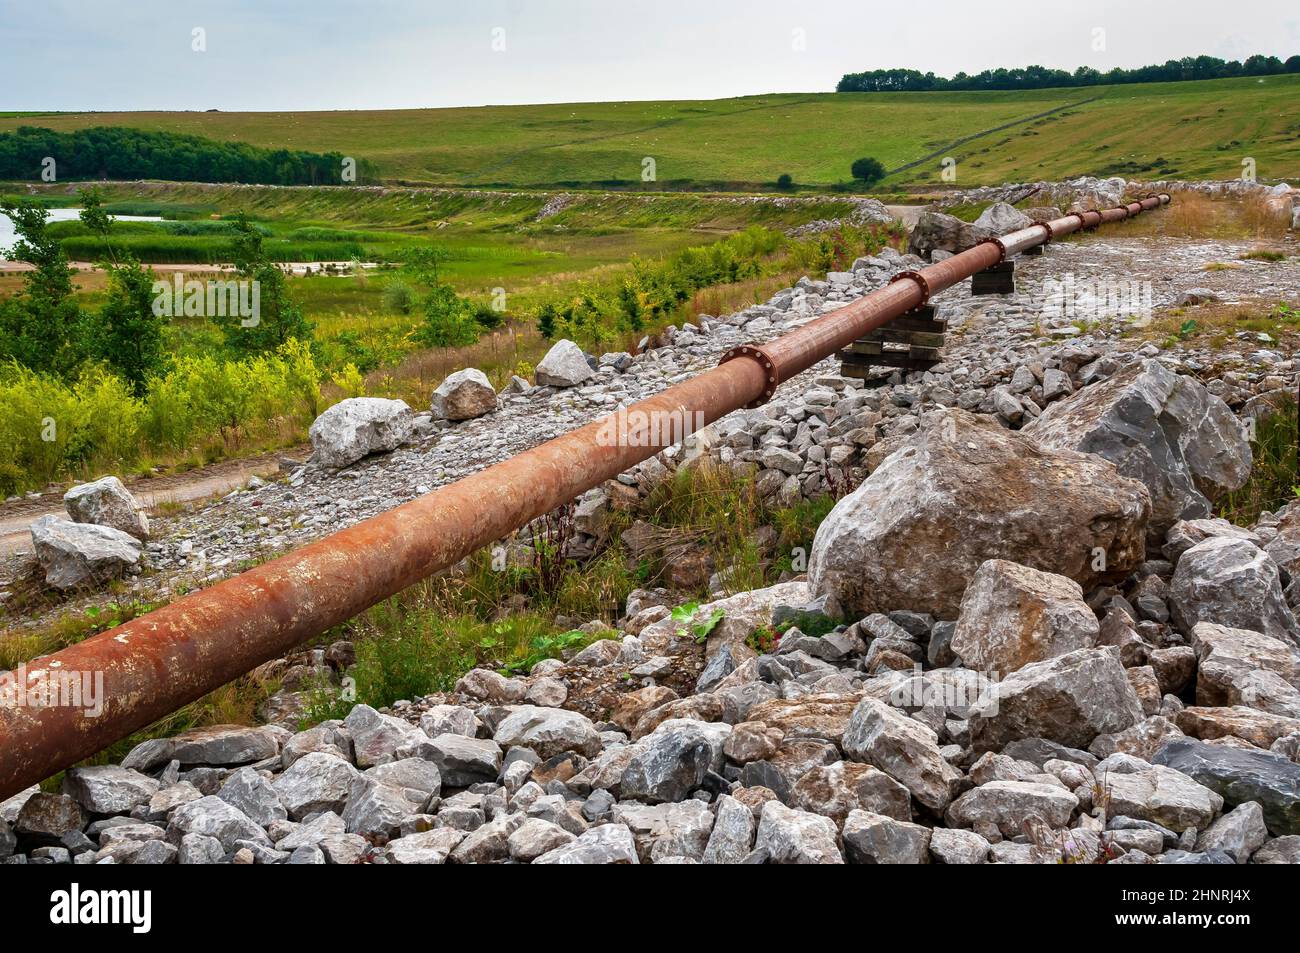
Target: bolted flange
{"points": [[920, 280], [756, 353]]}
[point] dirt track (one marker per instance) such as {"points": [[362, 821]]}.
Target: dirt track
{"points": [[16, 517]]}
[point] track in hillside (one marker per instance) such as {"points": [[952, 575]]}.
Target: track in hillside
{"points": [[988, 132]]}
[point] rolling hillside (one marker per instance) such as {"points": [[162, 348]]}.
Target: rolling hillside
{"points": [[1195, 129]]}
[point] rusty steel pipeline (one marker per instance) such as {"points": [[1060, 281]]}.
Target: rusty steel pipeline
{"points": [[171, 656]]}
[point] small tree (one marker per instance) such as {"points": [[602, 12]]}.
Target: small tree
{"points": [[96, 219], [279, 319], [39, 327], [127, 334], [448, 319], [546, 321], [785, 181], [868, 171]]}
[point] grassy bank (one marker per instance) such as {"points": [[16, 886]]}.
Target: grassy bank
{"points": [[1188, 129]]}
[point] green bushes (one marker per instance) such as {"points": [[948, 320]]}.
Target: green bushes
{"points": [[50, 429], [448, 319], [656, 289], [868, 171]]}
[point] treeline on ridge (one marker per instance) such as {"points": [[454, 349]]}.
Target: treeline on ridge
{"points": [[112, 152], [1040, 77]]}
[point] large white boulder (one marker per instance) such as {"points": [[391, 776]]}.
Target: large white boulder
{"points": [[963, 491], [107, 502], [563, 366], [81, 554], [1161, 428], [1001, 218], [357, 427]]}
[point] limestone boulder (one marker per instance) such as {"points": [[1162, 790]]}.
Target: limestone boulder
{"points": [[357, 427], [1163, 795], [906, 750], [107, 502], [938, 231], [464, 395], [1240, 667], [877, 839], [1001, 218], [1230, 582], [1012, 615], [672, 760], [548, 731], [1070, 699], [1163, 429], [797, 837], [963, 491], [563, 366], [78, 555], [1009, 805]]}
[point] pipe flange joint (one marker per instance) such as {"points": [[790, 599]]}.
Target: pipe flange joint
{"points": [[760, 357], [1002, 248], [1083, 222], [1051, 232], [920, 283]]}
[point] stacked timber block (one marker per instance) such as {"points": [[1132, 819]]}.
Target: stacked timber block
{"points": [[912, 342], [998, 280]]}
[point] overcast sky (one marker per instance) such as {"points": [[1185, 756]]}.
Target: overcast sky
{"points": [[329, 54]]}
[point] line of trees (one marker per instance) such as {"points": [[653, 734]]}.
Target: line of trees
{"points": [[114, 152], [1040, 77]]}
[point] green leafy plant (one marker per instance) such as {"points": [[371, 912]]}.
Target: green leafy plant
{"points": [[684, 616]]}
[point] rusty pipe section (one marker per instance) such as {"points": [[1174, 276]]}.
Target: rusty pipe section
{"points": [[793, 353], [154, 664]]}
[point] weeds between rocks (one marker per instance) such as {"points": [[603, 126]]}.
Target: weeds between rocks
{"points": [[1275, 476], [508, 610]]}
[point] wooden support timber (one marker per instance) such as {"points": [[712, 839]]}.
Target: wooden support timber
{"points": [[913, 341]]}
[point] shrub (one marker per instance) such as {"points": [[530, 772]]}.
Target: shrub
{"points": [[785, 181], [448, 319], [398, 296], [867, 170], [350, 381]]}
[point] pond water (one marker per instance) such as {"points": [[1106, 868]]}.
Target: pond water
{"points": [[8, 235]]}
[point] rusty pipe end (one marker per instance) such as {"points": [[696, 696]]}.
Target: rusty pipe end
{"points": [[761, 357]]}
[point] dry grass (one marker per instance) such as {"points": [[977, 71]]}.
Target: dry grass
{"points": [[1215, 323], [726, 299], [1194, 215]]}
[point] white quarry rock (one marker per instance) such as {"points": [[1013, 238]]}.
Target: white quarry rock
{"points": [[73, 555], [357, 427], [563, 366], [963, 491], [1163, 429], [106, 502]]}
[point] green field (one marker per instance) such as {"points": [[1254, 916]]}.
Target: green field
{"points": [[490, 239], [1192, 129]]}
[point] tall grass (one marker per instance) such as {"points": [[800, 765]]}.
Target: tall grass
{"points": [[1275, 476]]}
